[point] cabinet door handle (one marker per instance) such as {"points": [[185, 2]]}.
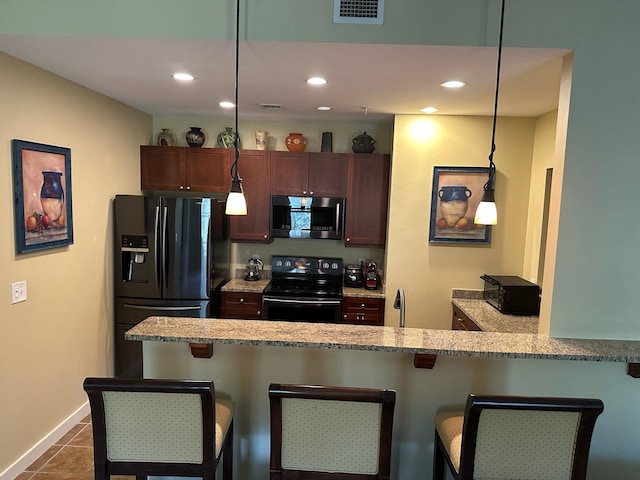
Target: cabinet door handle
{"points": [[304, 192], [311, 193], [181, 187], [242, 300], [188, 188]]}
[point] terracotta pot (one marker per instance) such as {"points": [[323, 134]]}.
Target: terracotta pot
{"points": [[295, 142]]}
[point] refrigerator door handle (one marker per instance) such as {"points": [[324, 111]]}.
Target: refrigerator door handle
{"points": [[156, 229], [168, 309], [165, 273]]}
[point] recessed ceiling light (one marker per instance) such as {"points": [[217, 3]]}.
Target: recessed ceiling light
{"points": [[226, 104], [323, 108], [429, 110], [183, 76], [316, 81], [453, 84]]}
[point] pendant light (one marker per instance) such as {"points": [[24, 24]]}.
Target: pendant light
{"points": [[486, 214], [236, 203]]}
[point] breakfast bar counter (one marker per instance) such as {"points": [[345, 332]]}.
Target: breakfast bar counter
{"points": [[248, 355], [389, 339]]}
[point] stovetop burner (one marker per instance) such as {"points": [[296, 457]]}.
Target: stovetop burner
{"points": [[304, 288], [305, 277]]}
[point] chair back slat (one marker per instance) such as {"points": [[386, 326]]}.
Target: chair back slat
{"points": [[153, 427], [327, 433], [522, 444], [159, 427], [330, 435]]}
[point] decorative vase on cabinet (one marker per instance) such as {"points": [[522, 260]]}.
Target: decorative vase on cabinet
{"points": [[363, 144], [166, 138], [195, 137], [295, 142], [225, 139]]}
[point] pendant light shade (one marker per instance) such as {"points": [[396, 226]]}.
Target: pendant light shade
{"points": [[487, 213], [236, 203]]}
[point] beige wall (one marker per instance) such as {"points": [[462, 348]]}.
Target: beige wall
{"points": [[427, 272], [63, 332], [543, 159]]}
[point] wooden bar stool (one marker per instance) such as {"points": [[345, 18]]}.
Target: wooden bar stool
{"points": [[508, 437], [330, 433], [147, 427]]}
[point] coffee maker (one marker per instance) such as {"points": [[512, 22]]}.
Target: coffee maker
{"points": [[371, 278]]}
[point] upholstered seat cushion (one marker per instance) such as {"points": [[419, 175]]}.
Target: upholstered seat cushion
{"points": [[224, 416], [449, 428]]}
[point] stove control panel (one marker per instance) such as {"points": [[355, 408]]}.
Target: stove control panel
{"points": [[306, 265]]}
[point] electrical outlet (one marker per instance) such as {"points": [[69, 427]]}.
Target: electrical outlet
{"points": [[18, 292]]}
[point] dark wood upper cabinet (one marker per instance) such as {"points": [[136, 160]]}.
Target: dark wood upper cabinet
{"points": [[367, 200], [254, 169], [308, 174], [327, 174], [185, 169], [162, 168], [208, 169]]}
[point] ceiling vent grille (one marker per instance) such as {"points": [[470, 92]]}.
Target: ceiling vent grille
{"points": [[270, 106], [358, 11]]}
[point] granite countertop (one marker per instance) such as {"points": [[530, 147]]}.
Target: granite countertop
{"points": [[363, 292], [391, 339], [491, 320], [242, 285]]}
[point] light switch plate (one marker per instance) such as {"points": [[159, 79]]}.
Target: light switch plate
{"points": [[18, 292]]}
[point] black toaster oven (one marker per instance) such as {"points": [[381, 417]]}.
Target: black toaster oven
{"points": [[512, 295]]}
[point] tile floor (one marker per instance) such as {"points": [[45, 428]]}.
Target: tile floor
{"points": [[70, 458]]}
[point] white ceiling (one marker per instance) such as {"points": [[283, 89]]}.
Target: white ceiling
{"points": [[386, 79]]}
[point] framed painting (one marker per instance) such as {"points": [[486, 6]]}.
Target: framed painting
{"points": [[42, 196], [455, 196]]}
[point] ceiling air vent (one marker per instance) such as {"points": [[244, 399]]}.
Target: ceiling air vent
{"points": [[358, 11], [270, 106]]}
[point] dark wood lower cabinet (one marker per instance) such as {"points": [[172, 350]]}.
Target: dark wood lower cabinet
{"points": [[363, 311], [243, 305], [461, 322]]}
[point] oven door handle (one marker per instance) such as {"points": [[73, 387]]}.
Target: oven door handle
{"points": [[322, 302]]}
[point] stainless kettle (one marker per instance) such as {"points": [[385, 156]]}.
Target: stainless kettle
{"points": [[253, 268]]}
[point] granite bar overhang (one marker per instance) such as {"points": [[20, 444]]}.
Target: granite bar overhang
{"points": [[391, 339]]}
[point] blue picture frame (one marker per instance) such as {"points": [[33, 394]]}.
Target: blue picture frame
{"points": [[455, 195], [42, 196]]}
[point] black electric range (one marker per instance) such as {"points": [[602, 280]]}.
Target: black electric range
{"points": [[306, 289]]}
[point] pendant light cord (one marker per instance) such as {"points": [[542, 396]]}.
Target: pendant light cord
{"points": [[492, 165], [234, 166]]}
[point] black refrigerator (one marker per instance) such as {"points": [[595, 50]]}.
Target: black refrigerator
{"points": [[171, 259]]}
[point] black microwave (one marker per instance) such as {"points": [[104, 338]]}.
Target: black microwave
{"points": [[512, 295], [307, 217]]}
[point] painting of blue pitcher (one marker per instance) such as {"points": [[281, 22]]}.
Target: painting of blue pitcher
{"points": [[454, 201]]}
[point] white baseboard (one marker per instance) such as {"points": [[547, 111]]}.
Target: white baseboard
{"points": [[43, 445]]}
